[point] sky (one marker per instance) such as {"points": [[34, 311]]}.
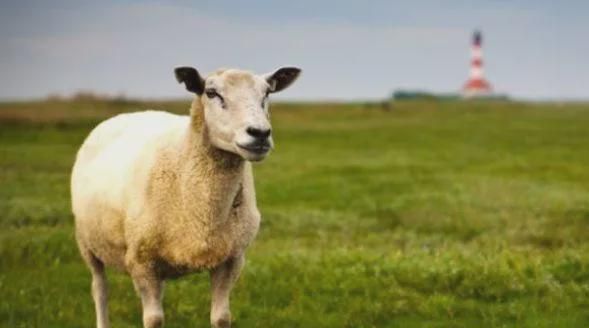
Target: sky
{"points": [[348, 50]]}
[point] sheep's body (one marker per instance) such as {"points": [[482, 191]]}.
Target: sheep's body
{"points": [[147, 191]]}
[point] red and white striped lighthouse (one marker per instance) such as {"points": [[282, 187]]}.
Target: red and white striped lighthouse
{"points": [[476, 86]]}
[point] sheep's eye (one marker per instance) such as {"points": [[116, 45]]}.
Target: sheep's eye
{"points": [[212, 93]]}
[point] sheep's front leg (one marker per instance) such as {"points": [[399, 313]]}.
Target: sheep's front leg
{"points": [[222, 279], [150, 288]]}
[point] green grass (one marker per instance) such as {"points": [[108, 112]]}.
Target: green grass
{"points": [[457, 214]]}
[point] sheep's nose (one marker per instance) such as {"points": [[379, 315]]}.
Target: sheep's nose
{"points": [[258, 133]]}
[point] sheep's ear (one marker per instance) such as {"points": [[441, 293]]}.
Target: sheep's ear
{"points": [[282, 78], [191, 79]]}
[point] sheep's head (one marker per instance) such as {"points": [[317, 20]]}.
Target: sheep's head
{"points": [[235, 105]]}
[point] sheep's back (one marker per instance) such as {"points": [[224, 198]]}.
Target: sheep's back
{"points": [[114, 157]]}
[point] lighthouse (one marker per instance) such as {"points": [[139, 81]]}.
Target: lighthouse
{"points": [[476, 86]]}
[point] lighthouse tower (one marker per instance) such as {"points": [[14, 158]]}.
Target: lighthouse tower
{"points": [[476, 86]]}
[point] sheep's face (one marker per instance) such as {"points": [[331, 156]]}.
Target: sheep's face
{"points": [[235, 106]]}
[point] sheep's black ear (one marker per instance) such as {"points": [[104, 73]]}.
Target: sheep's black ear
{"points": [[282, 78], [191, 79]]}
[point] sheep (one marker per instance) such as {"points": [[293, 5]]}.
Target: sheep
{"points": [[159, 195]]}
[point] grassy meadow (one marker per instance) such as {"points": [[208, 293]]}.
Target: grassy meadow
{"points": [[432, 214]]}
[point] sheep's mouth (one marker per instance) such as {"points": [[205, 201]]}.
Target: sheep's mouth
{"points": [[256, 148]]}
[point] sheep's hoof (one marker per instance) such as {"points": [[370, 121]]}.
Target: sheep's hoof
{"points": [[153, 321], [222, 322]]}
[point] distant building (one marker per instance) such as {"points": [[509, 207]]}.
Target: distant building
{"points": [[477, 85], [403, 94]]}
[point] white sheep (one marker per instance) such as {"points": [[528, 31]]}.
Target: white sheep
{"points": [[160, 195]]}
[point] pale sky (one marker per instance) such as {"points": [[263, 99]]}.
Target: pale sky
{"points": [[348, 50]]}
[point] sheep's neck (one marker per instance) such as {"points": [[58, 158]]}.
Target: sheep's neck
{"points": [[213, 177]]}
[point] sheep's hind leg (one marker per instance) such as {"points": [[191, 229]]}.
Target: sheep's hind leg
{"points": [[222, 279], [150, 289], [99, 288]]}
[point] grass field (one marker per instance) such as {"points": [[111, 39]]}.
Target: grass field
{"points": [[431, 215]]}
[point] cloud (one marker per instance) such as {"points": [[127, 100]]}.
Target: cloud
{"points": [[132, 48]]}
